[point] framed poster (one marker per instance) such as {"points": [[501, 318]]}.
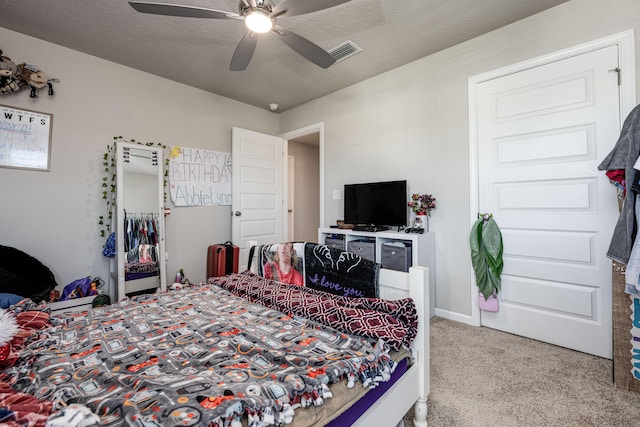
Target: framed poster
{"points": [[25, 138]]}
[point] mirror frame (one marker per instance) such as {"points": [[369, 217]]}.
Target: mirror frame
{"points": [[121, 147]]}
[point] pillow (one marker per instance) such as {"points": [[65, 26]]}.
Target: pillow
{"points": [[9, 327], [322, 268], [339, 272], [289, 253], [7, 300], [33, 320], [30, 318]]}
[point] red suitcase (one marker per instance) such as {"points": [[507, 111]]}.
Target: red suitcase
{"points": [[222, 259]]}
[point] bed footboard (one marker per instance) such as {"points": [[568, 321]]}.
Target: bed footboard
{"points": [[413, 387], [420, 413]]}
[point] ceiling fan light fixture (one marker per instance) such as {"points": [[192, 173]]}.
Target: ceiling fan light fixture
{"points": [[259, 16], [258, 21]]}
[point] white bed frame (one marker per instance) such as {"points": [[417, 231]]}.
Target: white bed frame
{"points": [[413, 387]]}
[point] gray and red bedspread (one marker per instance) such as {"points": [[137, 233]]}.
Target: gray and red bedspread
{"points": [[21, 409], [204, 356]]}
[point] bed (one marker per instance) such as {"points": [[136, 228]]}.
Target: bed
{"points": [[132, 365]]}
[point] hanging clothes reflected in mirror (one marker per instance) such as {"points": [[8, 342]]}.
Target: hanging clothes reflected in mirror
{"points": [[140, 219]]}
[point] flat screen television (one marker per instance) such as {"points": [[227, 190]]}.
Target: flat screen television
{"points": [[376, 203]]}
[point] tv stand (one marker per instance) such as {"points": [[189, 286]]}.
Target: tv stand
{"points": [[370, 227], [422, 248]]}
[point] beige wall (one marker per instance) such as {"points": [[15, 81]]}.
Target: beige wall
{"points": [[412, 123], [53, 215], [306, 190]]}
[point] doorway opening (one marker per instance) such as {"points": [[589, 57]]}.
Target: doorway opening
{"points": [[304, 183]]}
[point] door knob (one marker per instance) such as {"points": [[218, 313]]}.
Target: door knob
{"points": [[289, 210], [238, 213]]}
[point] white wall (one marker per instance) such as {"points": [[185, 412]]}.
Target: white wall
{"points": [[412, 123], [53, 215]]}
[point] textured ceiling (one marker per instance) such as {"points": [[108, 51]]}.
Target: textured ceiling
{"points": [[197, 52]]}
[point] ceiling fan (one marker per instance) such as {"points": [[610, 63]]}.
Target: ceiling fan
{"points": [[259, 16]]}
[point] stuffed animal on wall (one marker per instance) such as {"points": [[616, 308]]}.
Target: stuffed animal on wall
{"points": [[31, 76], [8, 80], [14, 78]]}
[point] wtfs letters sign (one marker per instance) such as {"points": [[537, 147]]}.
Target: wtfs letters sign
{"points": [[25, 138], [199, 177]]}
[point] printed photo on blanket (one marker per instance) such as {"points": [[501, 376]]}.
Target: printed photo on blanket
{"points": [[284, 262]]}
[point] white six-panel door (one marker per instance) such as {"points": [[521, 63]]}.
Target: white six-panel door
{"points": [[541, 134], [258, 189]]}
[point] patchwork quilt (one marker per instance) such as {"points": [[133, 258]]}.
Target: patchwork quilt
{"points": [[203, 356]]}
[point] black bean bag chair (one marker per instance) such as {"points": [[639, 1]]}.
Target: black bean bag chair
{"points": [[21, 274]]}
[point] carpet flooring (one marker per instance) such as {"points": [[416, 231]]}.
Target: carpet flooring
{"points": [[483, 377]]}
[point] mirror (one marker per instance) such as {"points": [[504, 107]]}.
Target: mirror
{"points": [[140, 219]]}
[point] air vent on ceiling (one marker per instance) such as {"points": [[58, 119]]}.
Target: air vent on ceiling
{"points": [[344, 50]]}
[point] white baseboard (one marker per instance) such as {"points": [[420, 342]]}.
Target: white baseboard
{"points": [[456, 317]]}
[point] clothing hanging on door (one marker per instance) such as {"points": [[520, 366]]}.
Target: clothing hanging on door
{"points": [[623, 169], [486, 245], [623, 157]]}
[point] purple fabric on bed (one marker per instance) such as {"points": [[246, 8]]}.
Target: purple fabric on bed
{"points": [[350, 416]]}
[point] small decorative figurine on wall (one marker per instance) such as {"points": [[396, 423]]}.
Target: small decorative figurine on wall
{"points": [[8, 69], [14, 78]]}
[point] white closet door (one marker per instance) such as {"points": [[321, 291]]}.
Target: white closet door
{"points": [[542, 132]]}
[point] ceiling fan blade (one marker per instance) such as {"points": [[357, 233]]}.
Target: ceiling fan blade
{"points": [[305, 47], [244, 52], [179, 10], [299, 7], [251, 4]]}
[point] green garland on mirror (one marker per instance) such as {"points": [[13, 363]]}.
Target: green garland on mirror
{"points": [[109, 180]]}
